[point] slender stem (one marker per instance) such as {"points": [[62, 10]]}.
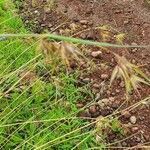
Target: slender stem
{"points": [[73, 40]]}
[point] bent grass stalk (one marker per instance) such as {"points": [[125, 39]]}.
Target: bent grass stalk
{"points": [[73, 40]]}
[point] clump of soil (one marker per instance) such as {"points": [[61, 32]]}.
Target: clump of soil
{"points": [[80, 18]]}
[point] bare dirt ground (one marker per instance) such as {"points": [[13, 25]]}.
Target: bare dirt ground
{"points": [[80, 18]]}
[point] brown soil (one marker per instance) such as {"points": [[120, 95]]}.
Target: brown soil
{"points": [[132, 17]]}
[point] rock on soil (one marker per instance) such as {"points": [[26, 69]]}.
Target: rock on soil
{"points": [[133, 119]]}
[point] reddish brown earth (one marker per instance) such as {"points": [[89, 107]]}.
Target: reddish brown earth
{"points": [[132, 17]]}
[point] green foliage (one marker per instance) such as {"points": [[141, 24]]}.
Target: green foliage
{"points": [[37, 108]]}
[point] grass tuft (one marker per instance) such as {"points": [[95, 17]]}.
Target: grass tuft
{"points": [[130, 73]]}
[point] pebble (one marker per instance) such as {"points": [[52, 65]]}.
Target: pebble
{"points": [[95, 85], [108, 92], [104, 76], [117, 91], [79, 105], [106, 112], [86, 80], [124, 144], [84, 26], [134, 50], [117, 11], [111, 99], [122, 84], [133, 119], [36, 12], [113, 94], [83, 35], [96, 54], [138, 139], [126, 114], [134, 129], [105, 101], [126, 22], [73, 26], [146, 137], [97, 97], [84, 22], [43, 25], [102, 105], [114, 105], [50, 25], [92, 109], [85, 114], [112, 60], [133, 61], [134, 44], [75, 19]]}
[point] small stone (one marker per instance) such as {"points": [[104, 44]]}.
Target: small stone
{"points": [[114, 105], [104, 76], [117, 91], [96, 85], [96, 54], [134, 44], [65, 10], [126, 22], [79, 105], [84, 22], [85, 114], [122, 84], [111, 99], [92, 109], [134, 129], [113, 93], [134, 50], [112, 60], [83, 35], [106, 112], [47, 10], [90, 23], [133, 61], [146, 137], [133, 119], [73, 26], [97, 97], [126, 114], [124, 144], [35, 11], [75, 19], [117, 11], [27, 21], [43, 25], [138, 139], [102, 105], [108, 92], [50, 25], [86, 80], [105, 101], [84, 26]]}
